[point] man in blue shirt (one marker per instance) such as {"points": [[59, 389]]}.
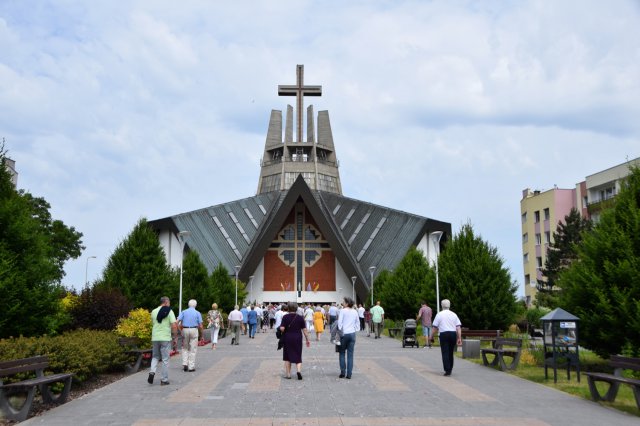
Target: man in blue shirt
{"points": [[245, 319], [190, 322]]}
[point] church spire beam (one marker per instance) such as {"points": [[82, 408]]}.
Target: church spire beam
{"points": [[299, 91]]}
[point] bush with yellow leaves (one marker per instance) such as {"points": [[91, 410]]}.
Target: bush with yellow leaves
{"points": [[136, 324]]}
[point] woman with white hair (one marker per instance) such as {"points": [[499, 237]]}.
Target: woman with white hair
{"points": [[448, 325]]}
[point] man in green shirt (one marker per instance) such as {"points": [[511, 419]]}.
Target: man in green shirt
{"points": [[164, 326], [377, 317]]}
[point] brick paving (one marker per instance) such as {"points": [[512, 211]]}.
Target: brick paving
{"points": [[391, 385]]}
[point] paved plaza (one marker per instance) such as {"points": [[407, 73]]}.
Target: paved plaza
{"points": [[244, 385]]}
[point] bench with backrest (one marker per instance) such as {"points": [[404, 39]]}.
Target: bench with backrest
{"points": [[27, 387], [619, 363], [503, 347], [137, 356], [482, 335], [396, 329]]}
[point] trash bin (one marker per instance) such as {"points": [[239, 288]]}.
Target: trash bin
{"points": [[470, 348]]}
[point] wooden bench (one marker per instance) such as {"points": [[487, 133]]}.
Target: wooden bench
{"points": [[619, 363], [482, 335], [501, 348], [41, 382], [137, 357], [394, 331]]}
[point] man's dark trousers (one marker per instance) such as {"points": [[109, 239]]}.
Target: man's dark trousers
{"points": [[447, 347]]}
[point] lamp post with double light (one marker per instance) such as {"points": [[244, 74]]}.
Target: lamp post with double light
{"points": [[436, 242], [237, 268], [372, 269], [182, 235], [86, 271]]}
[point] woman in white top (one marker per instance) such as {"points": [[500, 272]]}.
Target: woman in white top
{"points": [[349, 325]]}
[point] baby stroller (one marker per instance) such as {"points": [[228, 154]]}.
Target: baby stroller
{"points": [[409, 337]]}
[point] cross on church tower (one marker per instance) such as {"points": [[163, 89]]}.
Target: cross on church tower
{"points": [[299, 90]]}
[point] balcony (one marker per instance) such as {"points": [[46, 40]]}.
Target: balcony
{"points": [[602, 204], [298, 159]]}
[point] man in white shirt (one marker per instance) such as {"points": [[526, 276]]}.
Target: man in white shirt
{"points": [[361, 316], [448, 326], [308, 317], [235, 322], [278, 316]]}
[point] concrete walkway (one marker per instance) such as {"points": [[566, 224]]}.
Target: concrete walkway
{"points": [[243, 385]]}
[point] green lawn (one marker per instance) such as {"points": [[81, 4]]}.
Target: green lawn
{"points": [[530, 368]]}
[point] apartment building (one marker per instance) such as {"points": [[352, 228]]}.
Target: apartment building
{"points": [[541, 211], [598, 190]]}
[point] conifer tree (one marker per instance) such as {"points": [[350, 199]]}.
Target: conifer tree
{"points": [[561, 253], [139, 269], [402, 290], [224, 290], [196, 283], [473, 276], [602, 287]]}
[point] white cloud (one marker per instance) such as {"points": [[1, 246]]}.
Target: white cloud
{"points": [[446, 109]]}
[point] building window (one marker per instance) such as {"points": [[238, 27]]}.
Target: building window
{"points": [[585, 202], [524, 217], [547, 216], [536, 216], [547, 237], [525, 258], [527, 279], [270, 183], [539, 261], [538, 239], [525, 238]]}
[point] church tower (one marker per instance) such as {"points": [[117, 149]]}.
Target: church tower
{"points": [[285, 159]]}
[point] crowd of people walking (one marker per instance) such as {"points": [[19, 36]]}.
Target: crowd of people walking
{"points": [[293, 324]]}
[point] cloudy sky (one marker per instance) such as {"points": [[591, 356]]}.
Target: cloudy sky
{"points": [[447, 109]]}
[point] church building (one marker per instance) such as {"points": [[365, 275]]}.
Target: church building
{"points": [[300, 239]]}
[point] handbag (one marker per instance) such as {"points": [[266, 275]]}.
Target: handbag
{"points": [[281, 338]]}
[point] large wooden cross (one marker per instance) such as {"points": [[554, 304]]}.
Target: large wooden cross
{"points": [[299, 90]]}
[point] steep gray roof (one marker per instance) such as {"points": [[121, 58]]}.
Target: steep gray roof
{"points": [[360, 234]]}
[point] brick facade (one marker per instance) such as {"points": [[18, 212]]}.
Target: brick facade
{"points": [[280, 272]]}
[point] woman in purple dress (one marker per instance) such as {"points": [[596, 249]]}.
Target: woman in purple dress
{"points": [[293, 327]]}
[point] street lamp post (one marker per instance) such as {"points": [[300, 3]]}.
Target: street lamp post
{"points": [[251, 289], [371, 271], [353, 282], [86, 270], [436, 241], [182, 235], [237, 268]]}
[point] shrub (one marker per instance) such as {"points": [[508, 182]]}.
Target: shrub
{"points": [[85, 353], [533, 317], [136, 324], [100, 308]]}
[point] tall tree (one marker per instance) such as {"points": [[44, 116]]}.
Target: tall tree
{"points": [[196, 283], [139, 269], [33, 249], [224, 289], [602, 287], [562, 252], [473, 276], [402, 290]]}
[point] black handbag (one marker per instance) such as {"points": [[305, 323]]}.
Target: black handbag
{"points": [[281, 336]]}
